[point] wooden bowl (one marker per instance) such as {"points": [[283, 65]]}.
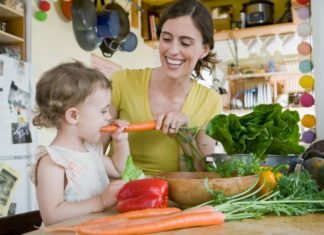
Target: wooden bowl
{"points": [[188, 189]]}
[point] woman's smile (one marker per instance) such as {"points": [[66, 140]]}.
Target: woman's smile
{"points": [[174, 63]]}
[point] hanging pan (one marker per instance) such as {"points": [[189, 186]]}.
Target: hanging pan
{"points": [[84, 19], [123, 19], [110, 45]]}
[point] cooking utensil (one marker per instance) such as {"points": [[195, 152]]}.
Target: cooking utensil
{"points": [[123, 20], [258, 12], [110, 45], [130, 43], [108, 24], [84, 14], [83, 23]]}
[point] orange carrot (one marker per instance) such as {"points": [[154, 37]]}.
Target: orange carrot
{"points": [[158, 224], [139, 126], [200, 209], [151, 212]]}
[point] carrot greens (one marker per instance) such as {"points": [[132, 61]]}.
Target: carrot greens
{"points": [[186, 137], [295, 194]]}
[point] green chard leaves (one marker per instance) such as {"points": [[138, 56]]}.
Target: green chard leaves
{"points": [[266, 130]]}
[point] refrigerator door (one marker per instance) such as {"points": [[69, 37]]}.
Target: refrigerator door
{"points": [[17, 135], [24, 198]]}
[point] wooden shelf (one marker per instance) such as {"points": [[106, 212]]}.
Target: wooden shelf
{"points": [[258, 75], [158, 2], [14, 36], [258, 31], [7, 12], [252, 32], [8, 38]]}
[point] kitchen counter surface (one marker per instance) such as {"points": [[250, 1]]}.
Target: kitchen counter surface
{"points": [[275, 225]]}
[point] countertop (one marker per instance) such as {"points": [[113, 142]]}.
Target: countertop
{"points": [[276, 225]]}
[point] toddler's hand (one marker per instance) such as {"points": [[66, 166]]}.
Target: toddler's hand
{"points": [[119, 134], [109, 196]]}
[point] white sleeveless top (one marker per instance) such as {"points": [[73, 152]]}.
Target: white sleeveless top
{"points": [[85, 172]]}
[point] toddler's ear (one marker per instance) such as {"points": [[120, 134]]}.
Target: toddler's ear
{"points": [[72, 115]]}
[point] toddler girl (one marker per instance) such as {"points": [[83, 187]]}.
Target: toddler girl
{"points": [[71, 173]]}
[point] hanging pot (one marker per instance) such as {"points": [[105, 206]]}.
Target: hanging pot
{"points": [[84, 19], [84, 14], [109, 46], [88, 40], [123, 20], [130, 43], [108, 24]]}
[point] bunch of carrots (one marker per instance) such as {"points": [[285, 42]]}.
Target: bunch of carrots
{"points": [[147, 221]]}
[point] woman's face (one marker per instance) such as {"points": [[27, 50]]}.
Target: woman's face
{"points": [[180, 47]]}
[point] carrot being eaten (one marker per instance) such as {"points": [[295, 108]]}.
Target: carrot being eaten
{"points": [[136, 126]]}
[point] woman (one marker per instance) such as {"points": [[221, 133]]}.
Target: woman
{"points": [[168, 93]]}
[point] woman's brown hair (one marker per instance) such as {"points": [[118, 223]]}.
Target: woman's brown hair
{"points": [[203, 22]]}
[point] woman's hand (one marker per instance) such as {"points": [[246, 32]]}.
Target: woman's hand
{"points": [[169, 123]]}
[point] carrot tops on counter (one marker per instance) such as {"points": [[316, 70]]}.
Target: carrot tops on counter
{"points": [[295, 194]]}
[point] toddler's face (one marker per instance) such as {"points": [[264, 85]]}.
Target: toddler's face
{"points": [[94, 114]]}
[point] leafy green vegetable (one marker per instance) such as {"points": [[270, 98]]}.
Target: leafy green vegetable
{"points": [[266, 130], [186, 137], [235, 167], [295, 194], [132, 172]]}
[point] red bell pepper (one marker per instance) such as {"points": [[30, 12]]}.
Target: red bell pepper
{"points": [[142, 194]]}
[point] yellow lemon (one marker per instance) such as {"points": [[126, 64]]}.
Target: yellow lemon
{"points": [[306, 82], [308, 121]]}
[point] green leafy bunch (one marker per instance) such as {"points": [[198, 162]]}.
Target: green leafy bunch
{"points": [[235, 167], [266, 130], [131, 171]]}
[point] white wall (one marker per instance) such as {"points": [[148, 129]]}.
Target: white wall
{"points": [[53, 42], [318, 54]]}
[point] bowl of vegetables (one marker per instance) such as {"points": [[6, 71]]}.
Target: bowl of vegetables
{"points": [[193, 188], [245, 164]]}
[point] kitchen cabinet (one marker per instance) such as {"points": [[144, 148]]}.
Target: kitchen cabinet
{"points": [[154, 8], [261, 88], [13, 33]]}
